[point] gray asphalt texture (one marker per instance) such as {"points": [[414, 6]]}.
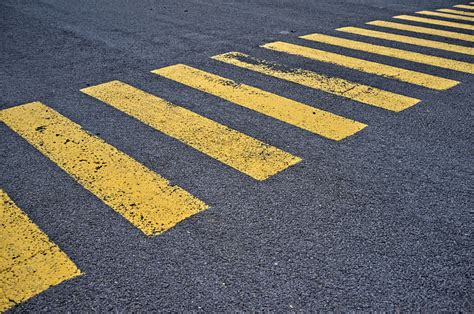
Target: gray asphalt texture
{"points": [[380, 221]]}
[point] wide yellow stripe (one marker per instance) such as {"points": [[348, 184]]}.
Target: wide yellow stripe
{"points": [[292, 112], [235, 149], [434, 22], [409, 76], [448, 16], [456, 12], [393, 53], [337, 86], [408, 40], [462, 6], [423, 30], [140, 195], [29, 261]]}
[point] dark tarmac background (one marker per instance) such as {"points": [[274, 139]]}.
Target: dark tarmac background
{"points": [[379, 221]]}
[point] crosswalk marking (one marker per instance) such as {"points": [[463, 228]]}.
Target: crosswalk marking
{"points": [[434, 22], [237, 150], [295, 113], [408, 40], [143, 197], [393, 53], [409, 76], [456, 12], [423, 30], [29, 261], [337, 86], [462, 6], [448, 16]]}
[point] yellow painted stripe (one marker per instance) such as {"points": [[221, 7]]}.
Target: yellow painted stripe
{"points": [[409, 76], [462, 6], [448, 16], [434, 22], [456, 12], [235, 149], [393, 53], [30, 262], [423, 30], [140, 195], [408, 40], [292, 112], [337, 86]]}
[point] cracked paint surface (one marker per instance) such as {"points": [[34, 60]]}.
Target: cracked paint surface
{"points": [[29, 262], [292, 112], [235, 149], [359, 92], [143, 197]]}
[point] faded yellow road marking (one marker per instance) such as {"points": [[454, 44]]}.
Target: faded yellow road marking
{"points": [[456, 12], [434, 22], [337, 86], [235, 149], [393, 53], [309, 118], [29, 261], [408, 40], [462, 6], [448, 16], [409, 76], [423, 30], [140, 195]]}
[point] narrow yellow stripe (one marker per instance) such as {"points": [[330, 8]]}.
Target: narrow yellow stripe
{"points": [[448, 16], [408, 40], [413, 77], [462, 6], [456, 12], [434, 22], [292, 112], [393, 53], [140, 195], [235, 149], [30, 262], [337, 86], [423, 30]]}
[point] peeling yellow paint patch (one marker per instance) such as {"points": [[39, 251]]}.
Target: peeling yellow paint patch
{"points": [[384, 70], [393, 53], [142, 196], [423, 30], [333, 85], [29, 262], [292, 112], [409, 40], [237, 150]]}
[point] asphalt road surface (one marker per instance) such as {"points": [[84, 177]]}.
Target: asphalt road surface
{"points": [[327, 175]]}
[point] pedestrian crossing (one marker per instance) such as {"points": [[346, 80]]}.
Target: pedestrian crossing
{"points": [[29, 261], [150, 203]]}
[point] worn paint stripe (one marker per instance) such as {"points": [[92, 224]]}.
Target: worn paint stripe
{"points": [[408, 40], [423, 30], [143, 197], [404, 75], [237, 150], [448, 16], [434, 22], [30, 262], [462, 6], [465, 13], [292, 112], [393, 53], [337, 86]]}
